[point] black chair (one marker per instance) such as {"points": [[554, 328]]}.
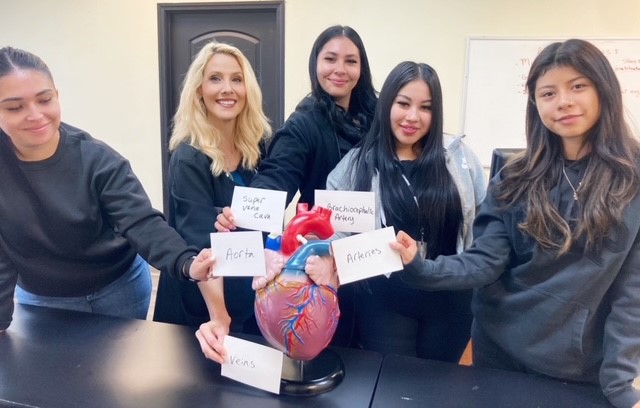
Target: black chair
{"points": [[499, 158]]}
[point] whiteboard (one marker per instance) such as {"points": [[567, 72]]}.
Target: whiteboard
{"points": [[495, 96]]}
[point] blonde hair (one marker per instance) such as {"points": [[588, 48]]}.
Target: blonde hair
{"points": [[190, 124]]}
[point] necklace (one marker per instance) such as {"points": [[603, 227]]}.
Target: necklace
{"points": [[575, 190]]}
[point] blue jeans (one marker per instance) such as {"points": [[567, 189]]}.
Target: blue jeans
{"points": [[128, 296]]}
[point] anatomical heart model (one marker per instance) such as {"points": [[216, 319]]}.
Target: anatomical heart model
{"points": [[297, 316], [294, 314]]}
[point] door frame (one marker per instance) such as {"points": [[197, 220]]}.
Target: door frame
{"points": [[165, 11]]}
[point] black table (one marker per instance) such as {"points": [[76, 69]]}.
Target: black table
{"points": [[412, 382], [55, 358]]}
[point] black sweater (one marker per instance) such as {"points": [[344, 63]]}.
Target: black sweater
{"points": [[302, 154], [73, 223]]}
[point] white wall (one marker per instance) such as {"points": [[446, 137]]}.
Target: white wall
{"points": [[104, 54]]}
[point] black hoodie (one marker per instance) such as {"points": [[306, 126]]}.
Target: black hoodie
{"points": [[303, 152]]}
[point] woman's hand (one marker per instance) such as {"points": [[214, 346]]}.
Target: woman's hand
{"points": [[224, 221], [322, 270], [211, 337], [274, 262], [406, 246], [203, 266]]}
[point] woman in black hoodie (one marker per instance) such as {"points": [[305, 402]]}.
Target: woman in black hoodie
{"points": [[324, 127]]}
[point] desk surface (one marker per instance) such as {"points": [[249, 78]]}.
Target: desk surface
{"points": [[54, 358], [409, 382]]}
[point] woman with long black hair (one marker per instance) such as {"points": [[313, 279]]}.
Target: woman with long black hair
{"points": [[428, 184]]}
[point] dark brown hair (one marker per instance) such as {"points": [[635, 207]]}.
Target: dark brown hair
{"points": [[611, 179]]}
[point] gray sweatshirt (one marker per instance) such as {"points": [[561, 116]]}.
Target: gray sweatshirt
{"points": [[573, 317], [464, 167]]}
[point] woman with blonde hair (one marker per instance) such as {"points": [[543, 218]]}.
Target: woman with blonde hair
{"points": [[216, 144]]}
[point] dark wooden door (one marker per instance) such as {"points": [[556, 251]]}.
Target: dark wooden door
{"points": [[257, 29]]}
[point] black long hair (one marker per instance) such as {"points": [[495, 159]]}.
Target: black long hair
{"points": [[363, 96], [438, 198]]}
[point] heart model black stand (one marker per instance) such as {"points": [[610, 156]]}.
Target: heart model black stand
{"points": [[305, 378]]}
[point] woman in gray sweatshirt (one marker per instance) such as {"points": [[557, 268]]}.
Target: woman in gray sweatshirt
{"points": [[556, 252]]}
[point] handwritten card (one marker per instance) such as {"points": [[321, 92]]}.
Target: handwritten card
{"points": [[258, 209], [252, 364], [238, 253], [365, 255], [351, 211]]}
